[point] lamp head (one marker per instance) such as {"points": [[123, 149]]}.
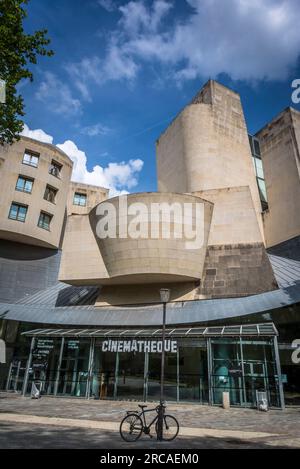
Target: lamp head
{"points": [[164, 295]]}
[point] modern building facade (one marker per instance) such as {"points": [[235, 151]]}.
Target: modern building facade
{"points": [[80, 312]]}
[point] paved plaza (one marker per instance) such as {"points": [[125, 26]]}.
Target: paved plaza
{"points": [[75, 423]]}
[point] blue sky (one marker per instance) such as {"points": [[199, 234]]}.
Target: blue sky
{"points": [[122, 70]]}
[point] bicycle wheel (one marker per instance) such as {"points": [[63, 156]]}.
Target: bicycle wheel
{"points": [[131, 428], [170, 428]]}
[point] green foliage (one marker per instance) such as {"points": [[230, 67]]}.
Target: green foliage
{"points": [[17, 51]]}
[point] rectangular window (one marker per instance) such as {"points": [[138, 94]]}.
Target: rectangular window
{"points": [[256, 147], [79, 199], [259, 168], [18, 212], [32, 159], [44, 220], [24, 184], [50, 194], [55, 169]]}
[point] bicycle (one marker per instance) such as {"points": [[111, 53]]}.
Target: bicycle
{"points": [[134, 424]]}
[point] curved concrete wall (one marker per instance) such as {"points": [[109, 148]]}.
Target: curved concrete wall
{"points": [[206, 147], [11, 167], [143, 260]]}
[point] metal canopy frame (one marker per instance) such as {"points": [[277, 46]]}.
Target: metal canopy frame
{"points": [[245, 330]]}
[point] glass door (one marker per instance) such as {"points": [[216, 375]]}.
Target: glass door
{"points": [[227, 374], [16, 375], [104, 373], [259, 371], [170, 377], [131, 379], [74, 368], [193, 374]]}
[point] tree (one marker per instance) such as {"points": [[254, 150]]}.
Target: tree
{"points": [[17, 51]]}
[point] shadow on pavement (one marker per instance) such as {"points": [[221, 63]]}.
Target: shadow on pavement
{"points": [[13, 435]]}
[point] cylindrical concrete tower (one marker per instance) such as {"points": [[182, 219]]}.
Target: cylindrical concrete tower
{"points": [[206, 147]]}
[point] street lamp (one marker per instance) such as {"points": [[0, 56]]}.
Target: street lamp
{"points": [[164, 298]]}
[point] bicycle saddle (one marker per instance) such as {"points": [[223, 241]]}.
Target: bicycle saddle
{"points": [[142, 406]]}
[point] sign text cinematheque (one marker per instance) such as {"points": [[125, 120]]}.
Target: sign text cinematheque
{"points": [[152, 346]]}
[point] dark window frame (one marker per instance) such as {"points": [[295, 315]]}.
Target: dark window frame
{"points": [[31, 154], [80, 195], [55, 169], [26, 179], [55, 191], [41, 224], [18, 205]]}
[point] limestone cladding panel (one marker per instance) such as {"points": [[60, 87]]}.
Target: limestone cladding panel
{"points": [[11, 167], [280, 150], [206, 147], [81, 261], [234, 220]]}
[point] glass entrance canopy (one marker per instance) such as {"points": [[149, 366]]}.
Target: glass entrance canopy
{"points": [[250, 330], [201, 363]]}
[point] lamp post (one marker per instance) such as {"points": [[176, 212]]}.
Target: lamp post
{"points": [[164, 298]]}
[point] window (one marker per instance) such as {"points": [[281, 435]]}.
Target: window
{"points": [[55, 169], [24, 184], [32, 159], [18, 212], [259, 168], [44, 220], [50, 194], [256, 147], [79, 199]]}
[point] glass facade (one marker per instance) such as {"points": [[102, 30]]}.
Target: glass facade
{"points": [[243, 367], [199, 371]]}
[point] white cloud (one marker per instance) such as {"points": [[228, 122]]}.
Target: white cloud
{"points": [[116, 66], [138, 18], [246, 39], [108, 5], [37, 134], [119, 178], [57, 96], [95, 130]]}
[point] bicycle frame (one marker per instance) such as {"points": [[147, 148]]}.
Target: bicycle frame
{"points": [[143, 417]]}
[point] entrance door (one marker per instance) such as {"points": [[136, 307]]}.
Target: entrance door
{"points": [[130, 384], [16, 375], [255, 380], [74, 368], [170, 377], [193, 374], [104, 373], [259, 372]]}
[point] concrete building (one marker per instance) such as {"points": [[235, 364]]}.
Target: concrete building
{"points": [[81, 272], [280, 152]]}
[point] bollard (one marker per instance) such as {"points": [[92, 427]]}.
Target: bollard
{"points": [[226, 400]]}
